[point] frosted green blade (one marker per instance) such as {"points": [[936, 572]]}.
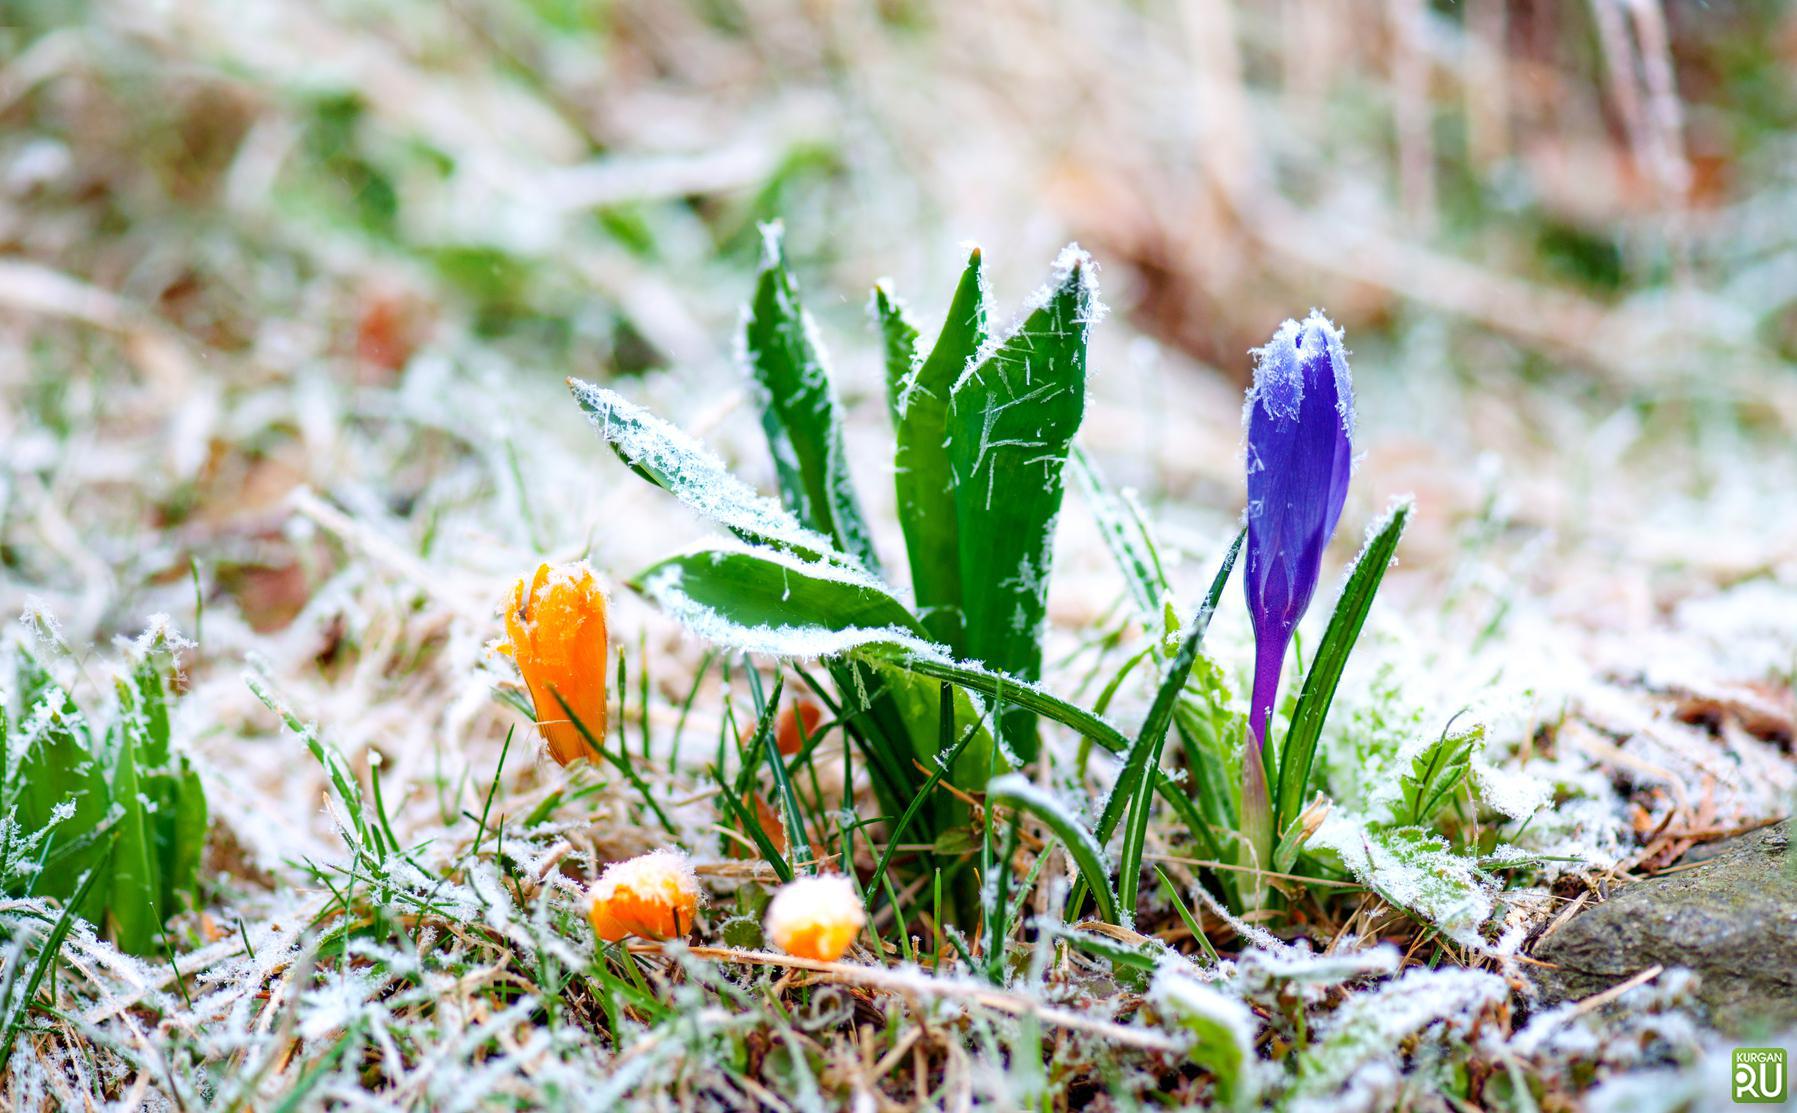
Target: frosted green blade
{"points": [[1011, 420]]}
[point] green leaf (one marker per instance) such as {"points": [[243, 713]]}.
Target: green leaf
{"points": [[897, 834], [1140, 958], [798, 407], [175, 824], [1010, 690], [748, 820], [1016, 791], [134, 903], [184, 839], [1211, 733], [1011, 420], [686, 469], [918, 394], [343, 778], [1299, 750], [60, 769], [1436, 771], [1134, 787], [898, 341], [792, 816], [772, 603]]}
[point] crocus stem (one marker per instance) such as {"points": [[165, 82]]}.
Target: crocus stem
{"points": [[1269, 661], [1255, 851], [1257, 801]]}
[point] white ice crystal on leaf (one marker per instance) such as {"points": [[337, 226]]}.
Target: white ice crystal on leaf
{"points": [[1414, 869], [1357, 1061], [690, 472]]}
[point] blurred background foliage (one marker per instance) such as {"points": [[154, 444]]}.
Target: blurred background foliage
{"points": [[1559, 232]]}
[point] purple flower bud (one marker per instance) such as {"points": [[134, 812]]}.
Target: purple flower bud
{"points": [[1300, 424]]}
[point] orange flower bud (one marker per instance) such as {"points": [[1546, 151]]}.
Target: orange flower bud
{"points": [[787, 733], [556, 626], [789, 739], [653, 895], [815, 917], [770, 821]]}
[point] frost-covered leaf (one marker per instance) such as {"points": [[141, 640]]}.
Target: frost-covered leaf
{"points": [[765, 601], [918, 392], [798, 406], [1012, 416], [59, 786], [174, 800], [1357, 1062], [1413, 869], [1437, 770], [1222, 1030], [1261, 970], [683, 467]]}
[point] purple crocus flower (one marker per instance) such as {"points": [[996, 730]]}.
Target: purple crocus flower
{"points": [[1300, 424]]}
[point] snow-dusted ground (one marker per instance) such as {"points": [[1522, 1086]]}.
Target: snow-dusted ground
{"points": [[1602, 566]]}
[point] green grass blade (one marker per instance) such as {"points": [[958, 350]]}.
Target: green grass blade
{"points": [[995, 686], [1135, 788], [1299, 751], [1126, 536], [1011, 420], [1185, 915], [343, 779], [187, 838], [686, 469], [1016, 791], [45, 959], [917, 802], [798, 844], [751, 823], [919, 398], [798, 407]]}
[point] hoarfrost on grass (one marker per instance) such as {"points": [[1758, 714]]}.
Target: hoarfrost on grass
{"points": [[1357, 1062]]}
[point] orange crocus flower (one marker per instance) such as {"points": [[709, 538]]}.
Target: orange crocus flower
{"points": [[653, 895], [815, 917], [556, 625]]}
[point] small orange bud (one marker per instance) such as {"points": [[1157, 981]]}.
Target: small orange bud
{"points": [[771, 824], [815, 917], [653, 895], [556, 626], [789, 738], [787, 733]]}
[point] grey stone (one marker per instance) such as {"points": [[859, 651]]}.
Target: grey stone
{"points": [[1731, 919]]}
